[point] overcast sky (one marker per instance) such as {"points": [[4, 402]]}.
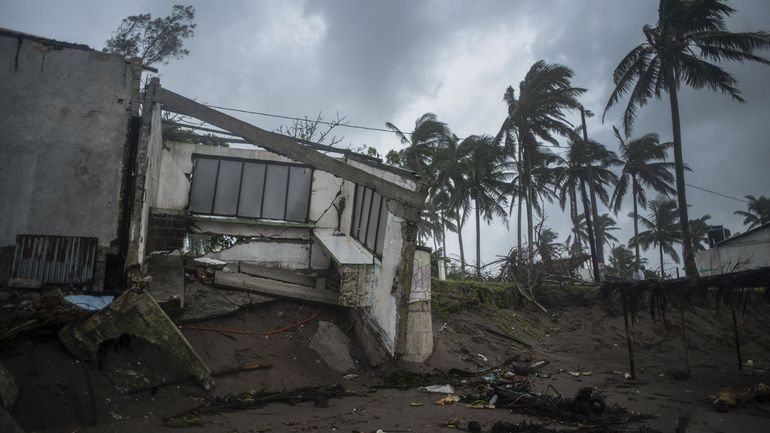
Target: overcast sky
{"points": [[375, 62]]}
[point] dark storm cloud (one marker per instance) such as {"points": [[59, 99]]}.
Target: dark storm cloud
{"points": [[392, 61]]}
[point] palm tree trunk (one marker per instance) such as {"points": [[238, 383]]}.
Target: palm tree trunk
{"points": [[530, 244], [662, 274], [478, 240], [598, 239], [636, 220], [689, 259], [460, 240], [574, 215], [443, 234], [589, 228], [518, 224]]}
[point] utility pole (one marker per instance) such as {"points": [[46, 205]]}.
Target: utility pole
{"points": [[588, 209]]}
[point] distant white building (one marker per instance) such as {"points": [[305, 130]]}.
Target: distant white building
{"points": [[743, 251]]}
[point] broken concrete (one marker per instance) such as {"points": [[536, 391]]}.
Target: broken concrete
{"points": [[333, 346], [264, 286], [204, 302], [134, 313], [286, 276]]}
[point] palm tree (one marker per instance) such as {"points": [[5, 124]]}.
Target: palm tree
{"points": [[486, 172], [572, 172], [545, 96], [644, 166], [428, 136], [605, 223], [621, 262], [699, 230], [663, 229], [677, 50], [451, 178], [757, 211]]}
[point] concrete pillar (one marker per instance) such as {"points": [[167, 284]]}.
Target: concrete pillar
{"points": [[442, 264], [419, 337]]}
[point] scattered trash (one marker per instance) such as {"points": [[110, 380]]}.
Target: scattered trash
{"points": [[537, 364], [480, 405], [493, 400], [448, 400], [489, 377], [415, 404], [586, 373], [574, 373], [438, 389], [350, 376], [483, 358], [452, 422], [749, 363], [90, 302], [542, 375], [627, 376]]}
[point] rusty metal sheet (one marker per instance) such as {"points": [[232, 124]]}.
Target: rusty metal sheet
{"points": [[55, 259]]}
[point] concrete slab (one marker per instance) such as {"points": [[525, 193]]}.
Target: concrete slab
{"points": [[283, 275], [264, 286], [333, 346], [344, 249], [167, 285], [204, 302]]}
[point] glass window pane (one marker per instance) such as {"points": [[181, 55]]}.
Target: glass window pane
{"points": [[228, 184], [359, 198], [371, 231], [381, 230], [299, 191], [204, 181], [274, 203], [362, 225], [252, 187]]}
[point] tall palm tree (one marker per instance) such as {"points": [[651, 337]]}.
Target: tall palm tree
{"points": [[644, 166], [539, 114], [621, 262], [662, 229], [678, 50], [449, 166], [757, 211], [699, 230], [486, 171]]}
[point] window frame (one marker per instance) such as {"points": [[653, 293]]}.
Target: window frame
{"points": [[266, 163], [355, 232]]}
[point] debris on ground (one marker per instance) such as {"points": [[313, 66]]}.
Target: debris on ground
{"points": [[134, 313], [524, 427], [730, 397], [438, 389], [333, 346]]}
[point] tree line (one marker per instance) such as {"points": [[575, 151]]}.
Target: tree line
{"points": [[488, 175]]}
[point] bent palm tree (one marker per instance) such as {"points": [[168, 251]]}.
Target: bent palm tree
{"points": [[662, 229], [545, 96], [644, 165], [427, 137], [757, 211], [688, 34]]}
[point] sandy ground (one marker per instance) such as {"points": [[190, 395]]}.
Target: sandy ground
{"points": [[577, 334]]}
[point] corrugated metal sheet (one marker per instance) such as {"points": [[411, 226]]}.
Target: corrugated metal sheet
{"points": [[55, 259]]}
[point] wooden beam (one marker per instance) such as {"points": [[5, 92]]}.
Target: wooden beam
{"points": [[403, 202], [263, 286]]}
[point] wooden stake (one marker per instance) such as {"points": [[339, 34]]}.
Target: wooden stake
{"points": [[735, 332], [629, 341], [684, 333]]}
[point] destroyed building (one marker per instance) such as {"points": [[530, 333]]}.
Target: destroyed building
{"points": [[91, 194]]}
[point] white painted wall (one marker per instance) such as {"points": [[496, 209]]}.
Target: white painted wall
{"points": [[749, 251]]}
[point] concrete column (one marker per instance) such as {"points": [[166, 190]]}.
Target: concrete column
{"points": [[419, 337]]}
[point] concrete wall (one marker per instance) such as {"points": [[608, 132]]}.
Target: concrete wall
{"points": [[382, 312], [749, 251], [64, 118]]}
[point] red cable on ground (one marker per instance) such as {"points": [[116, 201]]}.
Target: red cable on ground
{"points": [[247, 332]]}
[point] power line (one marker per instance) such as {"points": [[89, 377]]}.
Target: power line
{"points": [[323, 122], [717, 193]]}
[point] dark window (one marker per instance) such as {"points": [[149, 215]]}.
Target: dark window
{"points": [[369, 219], [242, 188]]}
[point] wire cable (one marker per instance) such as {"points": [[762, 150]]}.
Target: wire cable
{"points": [[717, 193]]}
